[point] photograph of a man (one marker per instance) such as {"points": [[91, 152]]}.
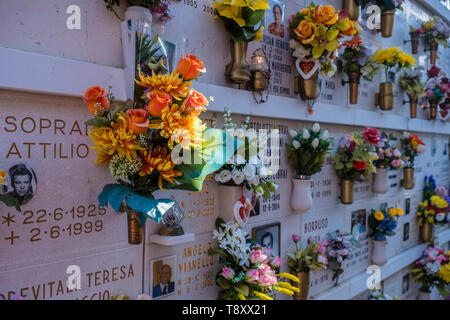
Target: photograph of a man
{"points": [[163, 282]]}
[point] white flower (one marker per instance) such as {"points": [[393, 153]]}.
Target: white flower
{"points": [[315, 143], [406, 135], [296, 144], [265, 171], [420, 149], [223, 177], [325, 134], [440, 216], [237, 176], [249, 171], [255, 181], [432, 268], [299, 51], [321, 259], [292, 133], [259, 192], [306, 134], [254, 159], [316, 127]]}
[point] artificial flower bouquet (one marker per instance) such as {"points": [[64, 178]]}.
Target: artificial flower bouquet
{"points": [[433, 270], [410, 82], [389, 156], [315, 33], [246, 168], [383, 223], [353, 59], [159, 8], [249, 271], [437, 89], [139, 145], [434, 207], [339, 246], [354, 158], [8, 200], [393, 57], [312, 258], [437, 31], [412, 146]]}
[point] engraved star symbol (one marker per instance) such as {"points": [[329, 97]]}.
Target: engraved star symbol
{"points": [[8, 219]]}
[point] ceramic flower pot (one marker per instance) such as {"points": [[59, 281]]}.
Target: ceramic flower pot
{"points": [[380, 181], [414, 41], [433, 110], [346, 191], [426, 232], [408, 178], [301, 197], [412, 106], [238, 69], [379, 257], [433, 52], [387, 23], [352, 9], [135, 230], [385, 99], [303, 285], [308, 88], [353, 81]]}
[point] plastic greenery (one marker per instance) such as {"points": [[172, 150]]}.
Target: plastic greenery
{"points": [[433, 269], [410, 82], [307, 150], [412, 146], [312, 258], [436, 30], [249, 271], [384, 222], [354, 56], [242, 18]]}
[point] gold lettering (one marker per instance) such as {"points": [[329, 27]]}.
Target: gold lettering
{"points": [[29, 144], [41, 125], [60, 289], [106, 276], [57, 127], [13, 146], [11, 123], [32, 121], [75, 128], [97, 278]]}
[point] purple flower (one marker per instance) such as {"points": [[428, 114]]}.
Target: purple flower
{"points": [[345, 141]]}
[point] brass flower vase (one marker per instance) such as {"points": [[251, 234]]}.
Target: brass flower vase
{"points": [[346, 191], [412, 106], [385, 99], [308, 88], [387, 23], [426, 232], [414, 41], [352, 9], [135, 230], [238, 69], [408, 178], [433, 110], [353, 79], [433, 52], [303, 285]]}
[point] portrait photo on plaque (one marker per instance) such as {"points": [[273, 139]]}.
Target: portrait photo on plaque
{"points": [[268, 236], [407, 205], [275, 18], [406, 231], [163, 276], [358, 226], [22, 183]]}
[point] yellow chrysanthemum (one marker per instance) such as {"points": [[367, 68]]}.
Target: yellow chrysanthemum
{"points": [[400, 211], [392, 212], [2, 177], [172, 84], [108, 141], [432, 211], [262, 295], [430, 220], [406, 59], [378, 215], [179, 127], [160, 160], [444, 272]]}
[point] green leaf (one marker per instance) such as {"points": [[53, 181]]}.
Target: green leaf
{"points": [[317, 52], [332, 34], [224, 283], [332, 45], [214, 251], [10, 201], [97, 122], [254, 17], [243, 289], [249, 34]]}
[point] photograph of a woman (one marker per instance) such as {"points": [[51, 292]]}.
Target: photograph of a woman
{"points": [[23, 183], [276, 27]]}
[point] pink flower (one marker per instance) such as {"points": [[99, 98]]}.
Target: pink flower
{"points": [[432, 253], [267, 280], [252, 276], [420, 30], [227, 273], [441, 191], [276, 262], [371, 135], [397, 163], [295, 238], [430, 93], [397, 153], [322, 259], [257, 256]]}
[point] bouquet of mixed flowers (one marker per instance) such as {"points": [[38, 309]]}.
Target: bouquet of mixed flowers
{"points": [[249, 271], [384, 222], [438, 86], [315, 32], [307, 150], [242, 19], [388, 156], [339, 246], [153, 148], [436, 30], [410, 82], [434, 207], [246, 168], [160, 8], [354, 56], [387, 59], [412, 147], [433, 270], [8, 200], [313, 257], [355, 155]]}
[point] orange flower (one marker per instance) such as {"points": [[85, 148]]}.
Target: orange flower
{"points": [[196, 102], [95, 98], [138, 121], [352, 30], [190, 67], [353, 43], [414, 141], [325, 14], [305, 31], [158, 101]]}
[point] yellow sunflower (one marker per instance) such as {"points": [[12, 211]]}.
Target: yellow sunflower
{"points": [[172, 83]]}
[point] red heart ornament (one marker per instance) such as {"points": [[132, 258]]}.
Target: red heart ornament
{"points": [[307, 66]]}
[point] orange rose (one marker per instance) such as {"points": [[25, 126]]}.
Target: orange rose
{"points": [[190, 67], [326, 15], [351, 30], [158, 101], [95, 98], [196, 101], [305, 31], [305, 11], [138, 121]]}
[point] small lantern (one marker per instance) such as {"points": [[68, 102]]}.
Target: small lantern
{"points": [[260, 71]]}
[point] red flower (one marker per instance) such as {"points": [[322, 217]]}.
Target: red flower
{"points": [[371, 135], [352, 146], [359, 165], [434, 71]]}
